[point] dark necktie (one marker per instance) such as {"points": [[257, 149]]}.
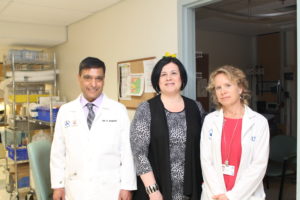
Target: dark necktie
{"points": [[91, 114]]}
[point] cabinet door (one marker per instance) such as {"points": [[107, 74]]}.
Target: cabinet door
{"points": [[268, 55]]}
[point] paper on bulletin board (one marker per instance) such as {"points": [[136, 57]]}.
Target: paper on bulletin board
{"points": [[148, 68], [124, 70], [136, 84]]}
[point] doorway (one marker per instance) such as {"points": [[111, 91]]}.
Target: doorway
{"points": [[277, 88]]}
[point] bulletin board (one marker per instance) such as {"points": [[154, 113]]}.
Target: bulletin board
{"points": [[127, 70]]}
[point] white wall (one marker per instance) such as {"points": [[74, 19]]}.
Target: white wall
{"points": [[225, 48], [128, 30], [33, 34]]}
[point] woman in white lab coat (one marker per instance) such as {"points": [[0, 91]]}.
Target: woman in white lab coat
{"points": [[234, 141]]}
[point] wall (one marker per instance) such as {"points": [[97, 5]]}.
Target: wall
{"points": [[3, 51], [128, 30], [225, 48], [33, 34]]}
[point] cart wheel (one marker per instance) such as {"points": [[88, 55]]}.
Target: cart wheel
{"points": [[29, 195]]}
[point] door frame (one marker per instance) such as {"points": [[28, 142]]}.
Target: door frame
{"points": [[187, 40], [298, 101], [187, 50]]}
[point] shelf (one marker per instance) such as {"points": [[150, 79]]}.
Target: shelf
{"points": [[23, 98], [17, 124], [24, 83], [13, 129], [31, 75], [3, 124], [32, 63], [40, 122], [23, 189], [12, 162], [21, 120], [31, 85]]}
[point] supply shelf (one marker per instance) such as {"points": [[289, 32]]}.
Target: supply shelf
{"points": [[30, 75]]}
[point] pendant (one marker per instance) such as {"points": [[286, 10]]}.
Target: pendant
{"points": [[226, 163]]}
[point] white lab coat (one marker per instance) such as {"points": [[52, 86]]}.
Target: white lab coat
{"points": [[254, 158], [92, 164]]}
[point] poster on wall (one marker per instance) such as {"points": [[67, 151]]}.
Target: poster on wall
{"points": [[135, 83], [134, 79], [148, 68], [124, 70]]}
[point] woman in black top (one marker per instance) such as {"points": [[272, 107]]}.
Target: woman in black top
{"points": [[165, 137]]}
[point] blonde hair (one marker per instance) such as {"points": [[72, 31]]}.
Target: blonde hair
{"points": [[234, 74]]}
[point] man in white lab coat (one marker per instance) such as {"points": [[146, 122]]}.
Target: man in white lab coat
{"points": [[91, 158]]}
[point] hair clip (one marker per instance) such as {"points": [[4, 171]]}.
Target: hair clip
{"points": [[167, 54]]}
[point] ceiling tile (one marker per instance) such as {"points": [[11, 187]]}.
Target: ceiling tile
{"points": [[17, 12], [3, 4], [75, 5]]}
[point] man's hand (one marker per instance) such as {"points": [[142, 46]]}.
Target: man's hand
{"points": [[220, 197], [124, 195], [59, 194]]}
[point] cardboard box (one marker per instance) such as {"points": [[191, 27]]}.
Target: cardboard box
{"points": [[23, 174]]}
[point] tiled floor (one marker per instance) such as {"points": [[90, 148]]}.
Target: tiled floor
{"points": [[272, 192]]}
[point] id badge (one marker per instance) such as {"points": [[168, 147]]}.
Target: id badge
{"points": [[228, 169]]}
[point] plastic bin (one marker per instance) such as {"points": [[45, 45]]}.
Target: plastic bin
{"points": [[21, 153], [23, 182], [23, 174], [44, 114]]}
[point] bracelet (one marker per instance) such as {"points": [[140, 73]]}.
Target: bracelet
{"points": [[152, 188]]}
